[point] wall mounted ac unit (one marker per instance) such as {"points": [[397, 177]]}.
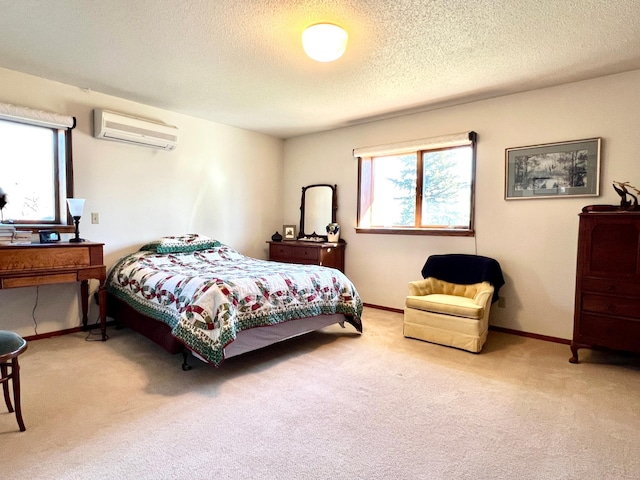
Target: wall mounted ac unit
{"points": [[126, 128]]}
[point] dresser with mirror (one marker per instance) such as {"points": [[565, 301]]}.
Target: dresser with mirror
{"points": [[318, 207]]}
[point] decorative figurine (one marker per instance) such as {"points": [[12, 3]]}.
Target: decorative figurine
{"points": [[3, 202], [333, 232], [622, 190]]}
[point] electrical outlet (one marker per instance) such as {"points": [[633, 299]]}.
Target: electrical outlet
{"points": [[95, 218], [502, 302]]}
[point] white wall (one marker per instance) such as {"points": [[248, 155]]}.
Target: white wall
{"points": [[535, 241], [227, 183], [221, 181]]}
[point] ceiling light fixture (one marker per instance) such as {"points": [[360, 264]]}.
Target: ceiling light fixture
{"points": [[324, 42]]}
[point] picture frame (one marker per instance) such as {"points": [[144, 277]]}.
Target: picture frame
{"points": [[553, 170], [289, 232]]}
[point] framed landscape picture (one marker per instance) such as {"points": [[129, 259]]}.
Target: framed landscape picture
{"points": [[552, 170]]}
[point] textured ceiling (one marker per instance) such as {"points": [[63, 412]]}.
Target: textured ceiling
{"points": [[241, 63]]}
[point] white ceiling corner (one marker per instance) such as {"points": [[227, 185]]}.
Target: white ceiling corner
{"points": [[241, 63]]}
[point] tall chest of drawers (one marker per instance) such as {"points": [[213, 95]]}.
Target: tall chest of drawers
{"points": [[607, 303], [309, 253]]}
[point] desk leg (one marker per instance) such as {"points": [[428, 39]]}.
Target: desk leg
{"points": [[102, 299], [84, 296]]}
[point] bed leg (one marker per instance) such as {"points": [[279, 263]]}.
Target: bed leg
{"points": [[357, 323], [185, 357]]}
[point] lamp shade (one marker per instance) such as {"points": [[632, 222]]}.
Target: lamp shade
{"points": [[324, 42], [76, 206]]}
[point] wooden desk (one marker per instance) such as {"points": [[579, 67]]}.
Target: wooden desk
{"points": [[42, 264]]}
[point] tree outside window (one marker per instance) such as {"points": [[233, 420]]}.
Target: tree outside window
{"points": [[395, 198], [35, 174]]}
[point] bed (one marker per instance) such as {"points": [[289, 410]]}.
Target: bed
{"points": [[190, 293]]}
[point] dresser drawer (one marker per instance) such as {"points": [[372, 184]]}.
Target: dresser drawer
{"points": [[293, 253], [611, 332], [308, 253], [611, 305], [305, 254], [607, 285], [31, 280], [279, 253], [29, 258]]}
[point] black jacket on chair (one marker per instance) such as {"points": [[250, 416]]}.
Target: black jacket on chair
{"points": [[465, 269]]}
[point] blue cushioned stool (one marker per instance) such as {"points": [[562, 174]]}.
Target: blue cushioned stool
{"points": [[11, 345]]}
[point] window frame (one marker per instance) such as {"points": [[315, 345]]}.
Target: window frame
{"points": [[421, 146], [61, 127]]}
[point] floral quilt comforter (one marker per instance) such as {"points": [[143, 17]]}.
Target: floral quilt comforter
{"points": [[208, 296]]}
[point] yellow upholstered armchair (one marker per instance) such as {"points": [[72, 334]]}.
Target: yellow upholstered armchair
{"points": [[451, 305]]}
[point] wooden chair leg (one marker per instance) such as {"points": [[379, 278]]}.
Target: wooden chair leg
{"points": [[5, 386], [15, 373]]}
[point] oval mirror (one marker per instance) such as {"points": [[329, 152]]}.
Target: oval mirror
{"points": [[317, 209]]}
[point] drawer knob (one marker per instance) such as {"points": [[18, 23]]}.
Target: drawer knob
{"points": [[612, 288]]}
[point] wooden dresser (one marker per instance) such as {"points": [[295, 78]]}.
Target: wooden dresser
{"points": [[607, 303], [41, 264], [308, 253]]}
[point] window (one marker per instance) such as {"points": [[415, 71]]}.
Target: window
{"points": [[421, 187], [35, 167]]}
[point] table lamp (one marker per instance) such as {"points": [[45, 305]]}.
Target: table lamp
{"points": [[76, 207], [3, 202]]}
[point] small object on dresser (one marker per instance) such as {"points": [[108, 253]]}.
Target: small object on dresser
{"points": [[625, 202], [76, 208], [276, 237], [3, 202], [289, 232], [21, 237], [49, 236], [6, 233], [333, 232]]}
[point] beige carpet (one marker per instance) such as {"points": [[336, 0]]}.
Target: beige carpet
{"points": [[330, 405]]}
